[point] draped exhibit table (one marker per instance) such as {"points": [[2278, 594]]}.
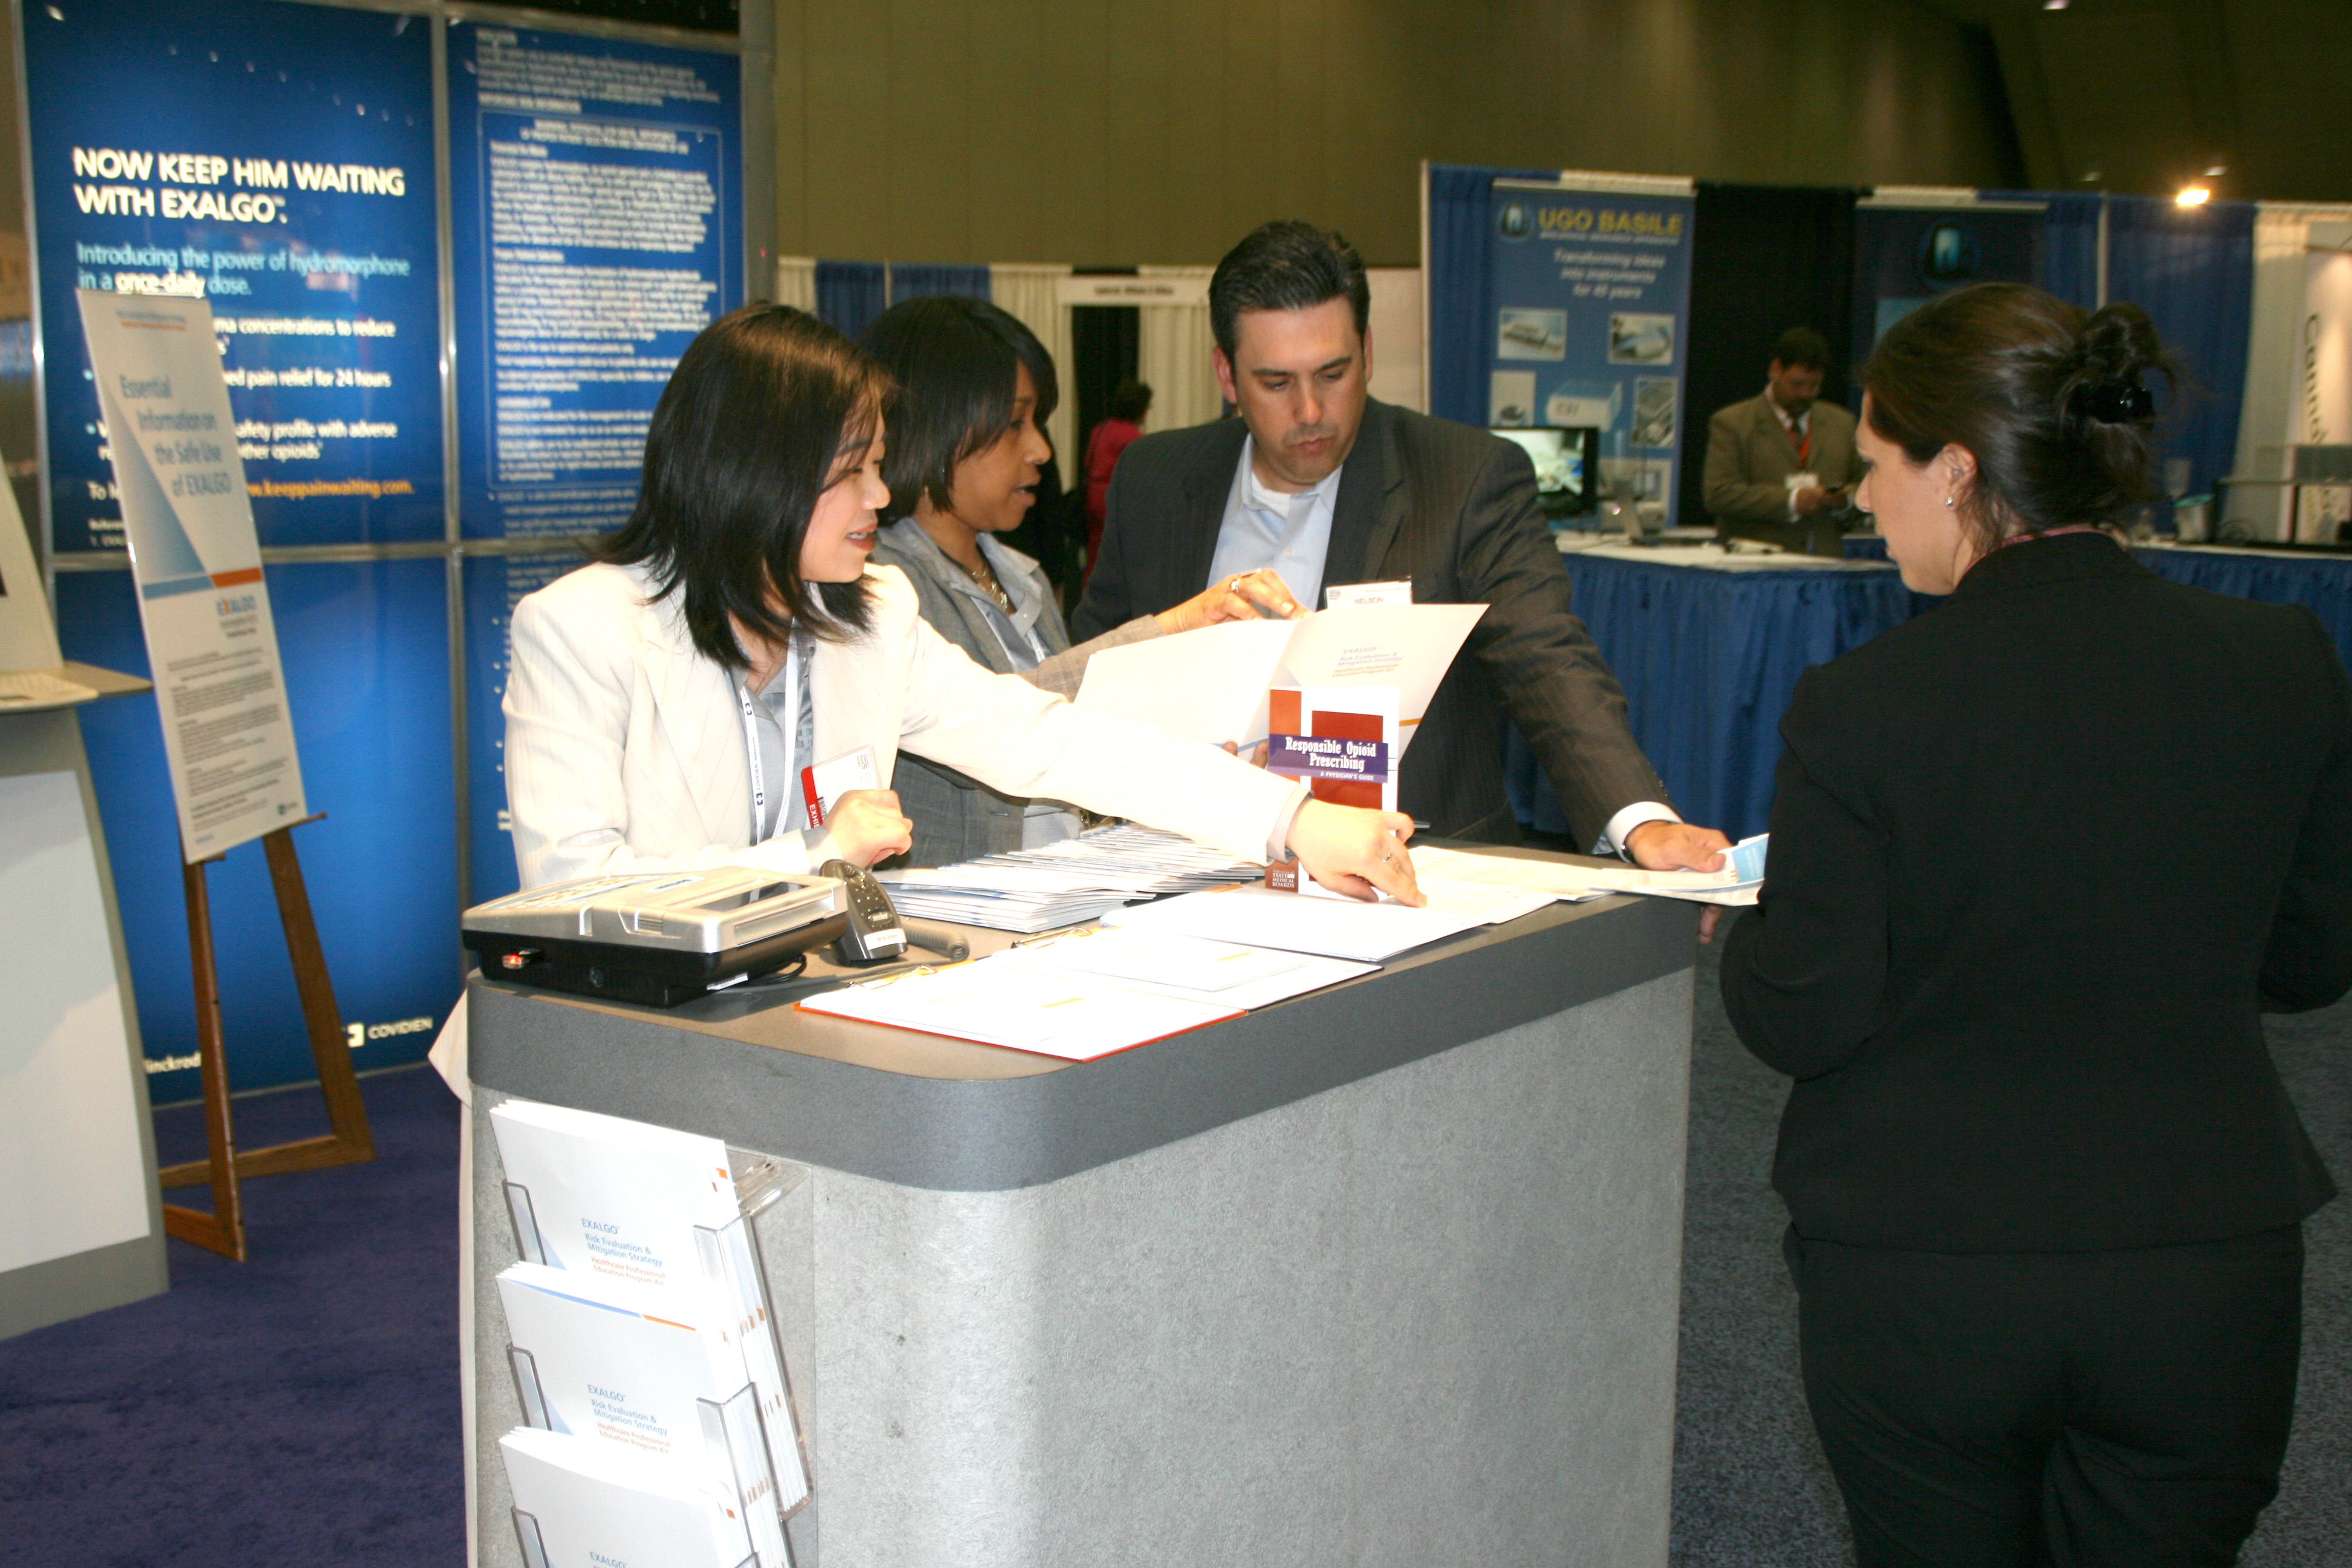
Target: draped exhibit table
{"points": [[1387, 1274], [1708, 645]]}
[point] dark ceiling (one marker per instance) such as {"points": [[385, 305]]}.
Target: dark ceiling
{"points": [[2146, 95]]}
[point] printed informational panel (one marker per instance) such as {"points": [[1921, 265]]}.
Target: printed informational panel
{"points": [[227, 739], [597, 207], [1592, 292], [1905, 256], [2323, 378], [276, 160]]}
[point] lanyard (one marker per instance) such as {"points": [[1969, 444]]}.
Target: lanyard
{"points": [[752, 738]]}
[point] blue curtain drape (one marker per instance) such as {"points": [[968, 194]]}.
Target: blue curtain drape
{"points": [[2193, 271], [921, 281], [850, 294], [2070, 242], [1461, 285]]}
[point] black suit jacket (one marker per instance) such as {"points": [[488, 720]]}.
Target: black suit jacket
{"points": [[2038, 858], [1455, 509]]}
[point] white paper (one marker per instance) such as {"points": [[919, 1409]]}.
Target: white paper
{"points": [[228, 739], [1222, 973], [595, 1505], [1564, 881], [615, 1197], [1003, 1005], [1488, 903], [28, 640], [1211, 684], [1259, 917]]}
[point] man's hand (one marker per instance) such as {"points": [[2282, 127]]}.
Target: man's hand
{"points": [[1356, 852], [1813, 499], [1241, 597], [1663, 845], [866, 827]]}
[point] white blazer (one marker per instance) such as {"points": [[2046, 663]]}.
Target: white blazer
{"points": [[624, 745]]}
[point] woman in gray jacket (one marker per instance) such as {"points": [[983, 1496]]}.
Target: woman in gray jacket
{"points": [[962, 462]]}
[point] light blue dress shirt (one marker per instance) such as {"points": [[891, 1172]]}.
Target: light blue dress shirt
{"points": [[1291, 534]]}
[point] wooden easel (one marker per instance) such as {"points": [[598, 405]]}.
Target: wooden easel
{"points": [[223, 1231]]}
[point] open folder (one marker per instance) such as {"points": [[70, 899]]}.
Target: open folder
{"points": [[1211, 684]]}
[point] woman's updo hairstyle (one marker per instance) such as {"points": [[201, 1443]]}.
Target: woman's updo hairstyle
{"points": [[2053, 403]]}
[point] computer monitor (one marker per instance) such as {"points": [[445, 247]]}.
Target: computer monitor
{"points": [[1568, 464]]}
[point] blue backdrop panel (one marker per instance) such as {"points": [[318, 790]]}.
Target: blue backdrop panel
{"points": [[277, 159], [2193, 271], [493, 586], [2070, 242], [367, 652], [1462, 285], [922, 281], [596, 211], [2323, 583], [1591, 323], [1709, 660], [850, 294]]}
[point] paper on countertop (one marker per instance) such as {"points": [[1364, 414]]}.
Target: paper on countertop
{"points": [[1220, 972], [1259, 917], [1735, 885], [1487, 903], [1007, 1005], [1211, 684]]}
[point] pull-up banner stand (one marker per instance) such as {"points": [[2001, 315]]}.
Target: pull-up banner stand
{"points": [[220, 692], [1591, 293]]}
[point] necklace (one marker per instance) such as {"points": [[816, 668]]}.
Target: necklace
{"points": [[988, 583]]}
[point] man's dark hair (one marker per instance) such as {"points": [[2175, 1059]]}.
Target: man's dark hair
{"points": [[954, 362], [1287, 265], [1130, 400], [1802, 347], [767, 407]]}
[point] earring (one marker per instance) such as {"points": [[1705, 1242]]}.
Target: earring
{"points": [[1948, 500]]}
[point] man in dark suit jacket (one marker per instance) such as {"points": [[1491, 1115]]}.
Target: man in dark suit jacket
{"points": [[1757, 447], [1322, 484]]}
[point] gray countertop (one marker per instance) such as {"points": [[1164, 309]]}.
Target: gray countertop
{"points": [[948, 1115]]}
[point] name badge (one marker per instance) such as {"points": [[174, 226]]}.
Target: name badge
{"points": [[1346, 595], [824, 783]]}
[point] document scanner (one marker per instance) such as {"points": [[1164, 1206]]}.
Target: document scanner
{"points": [[655, 937]]}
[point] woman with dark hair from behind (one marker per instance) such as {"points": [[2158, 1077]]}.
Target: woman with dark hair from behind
{"points": [[661, 703], [2039, 859], [973, 388]]}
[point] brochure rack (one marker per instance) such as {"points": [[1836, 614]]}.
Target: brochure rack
{"points": [[750, 1446]]}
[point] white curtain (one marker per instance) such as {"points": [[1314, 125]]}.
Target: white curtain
{"points": [[1172, 357], [1032, 294], [796, 282], [2267, 418]]}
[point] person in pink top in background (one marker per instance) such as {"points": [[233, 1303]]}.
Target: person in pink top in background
{"points": [[1130, 401]]}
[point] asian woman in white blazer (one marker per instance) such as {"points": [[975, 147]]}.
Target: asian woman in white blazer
{"points": [[650, 694]]}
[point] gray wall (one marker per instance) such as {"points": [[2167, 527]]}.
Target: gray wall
{"points": [[1159, 130]]}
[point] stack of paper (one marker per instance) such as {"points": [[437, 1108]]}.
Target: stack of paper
{"points": [[1336, 928], [578, 1502], [1182, 966], [1007, 1005], [1066, 883]]}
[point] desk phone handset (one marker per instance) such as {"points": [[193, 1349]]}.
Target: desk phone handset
{"points": [[872, 930]]}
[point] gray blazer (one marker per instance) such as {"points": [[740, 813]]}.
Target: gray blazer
{"points": [[1749, 460], [1453, 509], [956, 817]]}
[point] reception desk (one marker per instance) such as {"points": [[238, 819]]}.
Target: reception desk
{"points": [[1385, 1275]]}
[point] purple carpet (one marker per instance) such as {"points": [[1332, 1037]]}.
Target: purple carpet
{"points": [[298, 1409]]}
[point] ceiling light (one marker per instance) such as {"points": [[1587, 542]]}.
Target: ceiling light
{"points": [[2053, 4], [2217, 171], [2193, 196]]}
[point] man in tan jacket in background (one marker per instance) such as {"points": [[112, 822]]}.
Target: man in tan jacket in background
{"points": [[1781, 466]]}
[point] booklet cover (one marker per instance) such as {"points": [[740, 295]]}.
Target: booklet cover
{"points": [[584, 1504], [601, 1195], [1342, 739]]}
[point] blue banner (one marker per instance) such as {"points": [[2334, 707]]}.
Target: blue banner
{"points": [[597, 216], [278, 160], [1592, 297]]}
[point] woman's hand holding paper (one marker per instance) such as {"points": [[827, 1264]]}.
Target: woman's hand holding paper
{"points": [[1356, 852], [1246, 597]]}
